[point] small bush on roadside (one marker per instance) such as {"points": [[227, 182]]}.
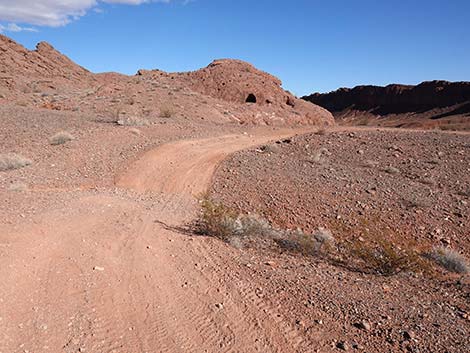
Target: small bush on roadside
{"points": [[308, 244], [450, 259], [217, 220], [132, 121], [12, 161], [386, 258], [221, 222], [60, 138]]}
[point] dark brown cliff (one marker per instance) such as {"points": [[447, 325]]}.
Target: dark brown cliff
{"points": [[431, 100]]}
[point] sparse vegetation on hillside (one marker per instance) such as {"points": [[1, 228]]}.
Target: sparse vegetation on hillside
{"points": [[61, 138], [374, 254], [12, 161]]}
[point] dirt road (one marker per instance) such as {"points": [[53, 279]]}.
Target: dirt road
{"points": [[106, 272]]}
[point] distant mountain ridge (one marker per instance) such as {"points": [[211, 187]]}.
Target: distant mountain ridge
{"points": [[430, 100]]}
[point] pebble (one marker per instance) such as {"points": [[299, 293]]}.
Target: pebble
{"points": [[342, 345], [408, 335], [98, 268], [363, 325]]}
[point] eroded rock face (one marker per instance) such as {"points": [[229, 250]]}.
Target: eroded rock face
{"points": [[225, 91], [397, 99], [45, 62], [239, 82]]}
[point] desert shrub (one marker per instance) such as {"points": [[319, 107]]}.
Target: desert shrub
{"points": [[308, 244], [370, 164], [132, 121], [13, 161], [322, 130], [240, 229], [273, 148], [386, 258], [60, 138], [18, 187], [166, 112], [450, 259], [317, 157], [392, 170], [219, 221]]}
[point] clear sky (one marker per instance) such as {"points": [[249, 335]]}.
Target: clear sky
{"points": [[310, 45]]}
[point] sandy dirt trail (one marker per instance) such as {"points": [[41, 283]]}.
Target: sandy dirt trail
{"points": [[104, 273]]}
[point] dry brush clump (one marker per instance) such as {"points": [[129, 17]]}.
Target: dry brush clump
{"points": [[378, 249], [386, 258], [392, 170], [322, 130], [166, 112], [373, 252], [224, 223], [450, 259], [61, 138], [239, 229], [317, 156], [319, 243], [19, 187], [12, 161], [132, 121]]}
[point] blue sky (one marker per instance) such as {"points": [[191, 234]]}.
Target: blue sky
{"points": [[310, 45]]}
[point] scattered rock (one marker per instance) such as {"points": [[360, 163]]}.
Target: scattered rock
{"points": [[342, 346], [363, 325]]}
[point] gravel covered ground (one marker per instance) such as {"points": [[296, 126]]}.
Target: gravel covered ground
{"points": [[410, 187]]}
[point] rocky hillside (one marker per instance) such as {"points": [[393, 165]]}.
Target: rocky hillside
{"points": [[227, 91], [434, 102], [28, 70]]}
